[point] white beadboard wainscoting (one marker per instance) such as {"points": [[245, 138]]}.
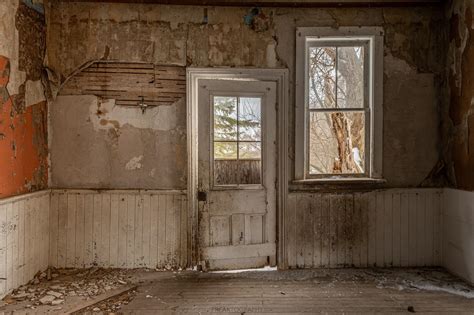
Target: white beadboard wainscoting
{"points": [[458, 223], [395, 227], [118, 229], [24, 238], [139, 228]]}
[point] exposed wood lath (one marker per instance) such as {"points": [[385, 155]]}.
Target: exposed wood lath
{"points": [[128, 82]]}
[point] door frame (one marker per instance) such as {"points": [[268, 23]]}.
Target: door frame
{"points": [[280, 77]]}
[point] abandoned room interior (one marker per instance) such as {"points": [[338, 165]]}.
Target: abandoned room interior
{"points": [[254, 156]]}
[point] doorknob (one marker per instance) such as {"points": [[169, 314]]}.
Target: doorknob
{"points": [[202, 196]]}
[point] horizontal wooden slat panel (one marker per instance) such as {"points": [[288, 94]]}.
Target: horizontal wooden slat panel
{"points": [[128, 82]]}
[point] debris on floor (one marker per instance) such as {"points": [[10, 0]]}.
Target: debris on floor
{"points": [[112, 304], [54, 286], [426, 280], [369, 290], [86, 291]]}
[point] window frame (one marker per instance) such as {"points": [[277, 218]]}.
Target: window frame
{"points": [[307, 37]]}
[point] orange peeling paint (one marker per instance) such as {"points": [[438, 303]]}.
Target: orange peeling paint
{"points": [[23, 144]]}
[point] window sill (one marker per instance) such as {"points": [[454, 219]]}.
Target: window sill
{"points": [[338, 180], [336, 184]]}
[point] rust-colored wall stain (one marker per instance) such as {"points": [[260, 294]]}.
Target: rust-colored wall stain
{"points": [[23, 143], [462, 94]]}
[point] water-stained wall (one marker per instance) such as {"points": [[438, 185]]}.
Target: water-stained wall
{"points": [[106, 141], [461, 81], [80, 33], [23, 109]]}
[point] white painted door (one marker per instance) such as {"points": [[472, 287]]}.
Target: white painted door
{"points": [[237, 174]]}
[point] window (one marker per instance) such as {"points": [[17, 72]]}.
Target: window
{"points": [[338, 103], [237, 146]]}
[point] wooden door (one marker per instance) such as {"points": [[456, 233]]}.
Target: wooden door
{"points": [[237, 174]]}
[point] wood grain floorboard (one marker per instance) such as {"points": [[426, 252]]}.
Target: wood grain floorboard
{"points": [[299, 291]]}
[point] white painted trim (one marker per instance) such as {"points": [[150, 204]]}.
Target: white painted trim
{"points": [[280, 76], [24, 196], [120, 191], [375, 37]]}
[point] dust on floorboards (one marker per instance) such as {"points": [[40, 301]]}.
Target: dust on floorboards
{"points": [[305, 291], [371, 290]]}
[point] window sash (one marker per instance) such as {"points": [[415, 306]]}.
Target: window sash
{"points": [[349, 42]]}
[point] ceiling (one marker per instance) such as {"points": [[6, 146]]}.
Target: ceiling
{"points": [[282, 3]]}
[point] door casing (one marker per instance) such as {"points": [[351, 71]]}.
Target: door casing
{"points": [[280, 77]]}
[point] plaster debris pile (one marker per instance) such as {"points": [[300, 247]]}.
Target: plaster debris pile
{"points": [[55, 285]]}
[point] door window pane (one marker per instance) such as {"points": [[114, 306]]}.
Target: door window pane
{"points": [[225, 150], [226, 172], [237, 140], [250, 119], [250, 150], [250, 171], [225, 118]]}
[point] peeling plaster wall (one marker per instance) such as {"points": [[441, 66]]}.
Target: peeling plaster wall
{"points": [[99, 145], [23, 110], [414, 76], [461, 82]]}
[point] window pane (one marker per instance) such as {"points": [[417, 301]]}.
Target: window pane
{"points": [[225, 150], [337, 143], [226, 172], [322, 77], [250, 165], [250, 171], [225, 118], [250, 119], [250, 150], [350, 77]]}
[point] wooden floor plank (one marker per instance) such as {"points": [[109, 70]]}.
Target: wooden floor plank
{"points": [[294, 291]]}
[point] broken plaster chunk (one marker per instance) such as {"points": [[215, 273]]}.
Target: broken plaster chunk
{"points": [[47, 299], [55, 294], [57, 287], [20, 295], [57, 302]]}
